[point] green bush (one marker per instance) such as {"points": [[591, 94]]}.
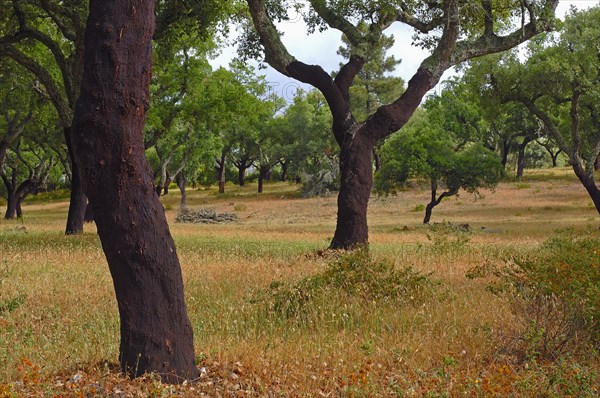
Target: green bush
{"points": [[555, 291], [49, 196], [355, 275]]}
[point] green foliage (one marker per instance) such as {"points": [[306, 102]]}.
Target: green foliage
{"points": [[555, 291], [424, 149], [50, 196], [355, 275]]}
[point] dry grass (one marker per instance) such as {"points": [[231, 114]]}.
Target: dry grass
{"points": [[59, 335]]}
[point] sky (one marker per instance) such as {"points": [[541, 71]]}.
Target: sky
{"points": [[320, 48]]}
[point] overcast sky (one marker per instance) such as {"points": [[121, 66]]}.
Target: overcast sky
{"points": [[320, 48]]}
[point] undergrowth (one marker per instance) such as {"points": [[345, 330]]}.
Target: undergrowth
{"points": [[350, 280], [555, 293]]}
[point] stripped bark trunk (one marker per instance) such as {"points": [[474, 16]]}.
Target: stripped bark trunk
{"points": [[156, 334]]}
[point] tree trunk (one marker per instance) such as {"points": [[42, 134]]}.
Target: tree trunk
{"points": [[521, 158], [78, 200], [221, 173], [18, 207], [434, 202], [3, 148], [355, 188], [241, 174], [262, 175], [156, 334], [89, 213], [554, 157], [284, 170], [11, 207], [504, 154], [182, 183], [11, 197], [587, 179], [166, 186]]}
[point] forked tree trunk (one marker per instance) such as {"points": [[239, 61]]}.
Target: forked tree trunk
{"points": [[78, 200], [356, 182], [156, 335]]}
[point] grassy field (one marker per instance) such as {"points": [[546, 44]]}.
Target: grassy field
{"points": [[447, 336]]}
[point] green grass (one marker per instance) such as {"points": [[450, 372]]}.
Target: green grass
{"points": [[354, 329]]}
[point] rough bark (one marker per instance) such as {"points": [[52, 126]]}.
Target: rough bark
{"points": [[78, 200], [355, 188], [156, 335]]}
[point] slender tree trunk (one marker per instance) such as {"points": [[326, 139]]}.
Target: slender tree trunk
{"points": [[356, 169], [587, 179], [166, 186], [11, 198], [432, 203], [554, 157], [221, 173], [18, 208], [78, 200], [284, 170], [182, 184], [242, 173], [262, 175], [156, 334], [504, 154], [521, 158]]}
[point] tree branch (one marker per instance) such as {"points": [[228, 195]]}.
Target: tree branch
{"points": [[62, 107]]}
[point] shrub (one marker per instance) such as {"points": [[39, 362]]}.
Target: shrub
{"points": [[355, 275], [555, 292]]}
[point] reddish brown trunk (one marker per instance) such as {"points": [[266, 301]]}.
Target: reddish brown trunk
{"points": [[78, 200], [156, 335], [355, 189]]}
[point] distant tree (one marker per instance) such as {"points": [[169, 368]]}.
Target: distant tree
{"points": [[454, 31], [424, 150], [559, 84], [17, 103], [46, 39], [25, 172], [156, 334], [308, 124]]}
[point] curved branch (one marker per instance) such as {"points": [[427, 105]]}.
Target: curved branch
{"points": [[58, 100], [338, 22]]}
